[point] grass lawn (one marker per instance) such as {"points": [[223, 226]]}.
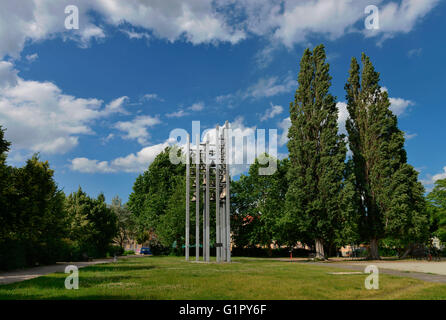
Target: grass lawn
{"points": [[247, 278]]}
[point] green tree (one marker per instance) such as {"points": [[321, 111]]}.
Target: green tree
{"points": [[35, 220], [257, 206], [437, 208], [317, 155], [392, 202], [171, 226], [5, 216], [152, 191], [92, 224], [125, 221]]}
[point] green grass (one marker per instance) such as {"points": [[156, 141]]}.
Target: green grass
{"points": [[246, 278]]}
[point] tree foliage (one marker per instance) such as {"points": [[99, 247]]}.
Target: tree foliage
{"points": [[317, 155], [92, 224], [437, 209], [258, 205], [392, 202], [151, 194]]}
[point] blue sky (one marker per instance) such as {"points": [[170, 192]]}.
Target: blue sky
{"points": [[99, 102]]}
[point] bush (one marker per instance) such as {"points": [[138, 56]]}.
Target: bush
{"points": [[115, 251], [128, 252], [12, 255], [387, 252], [265, 252]]}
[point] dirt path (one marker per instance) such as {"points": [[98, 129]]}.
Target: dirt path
{"points": [[30, 273]]}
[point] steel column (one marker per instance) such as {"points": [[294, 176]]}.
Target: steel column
{"points": [[197, 198], [186, 246]]}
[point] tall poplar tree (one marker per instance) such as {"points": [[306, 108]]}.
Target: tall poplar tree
{"points": [[317, 154], [392, 202]]}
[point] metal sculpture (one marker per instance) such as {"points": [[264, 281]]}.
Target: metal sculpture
{"points": [[210, 162]]}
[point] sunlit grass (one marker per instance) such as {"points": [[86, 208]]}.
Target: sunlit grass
{"points": [[246, 278]]}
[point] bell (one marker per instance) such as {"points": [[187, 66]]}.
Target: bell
{"points": [[204, 181], [223, 194], [224, 178], [194, 198], [212, 197]]}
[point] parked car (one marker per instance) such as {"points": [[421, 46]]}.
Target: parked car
{"points": [[145, 251]]}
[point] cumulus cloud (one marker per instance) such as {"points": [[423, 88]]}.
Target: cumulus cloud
{"points": [[399, 105], [439, 176], [134, 162], [285, 125], [196, 22], [430, 180], [288, 22], [271, 112], [183, 112], [41, 118], [265, 87], [241, 154], [137, 128]]}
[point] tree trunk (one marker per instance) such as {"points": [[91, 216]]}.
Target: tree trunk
{"points": [[407, 252], [270, 250], [320, 249], [373, 250]]}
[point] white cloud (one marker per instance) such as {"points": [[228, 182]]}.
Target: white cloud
{"points": [[177, 114], [288, 22], [342, 116], [139, 161], [399, 105], [268, 87], [415, 52], [271, 112], [134, 162], [430, 180], [32, 57], [409, 136], [137, 128], [199, 106], [152, 96], [117, 105], [265, 87], [285, 125], [41, 118], [402, 17], [196, 106], [440, 176], [132, 34]]}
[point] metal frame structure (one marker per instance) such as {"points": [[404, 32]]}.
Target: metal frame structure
{"points": [[211, 163]]}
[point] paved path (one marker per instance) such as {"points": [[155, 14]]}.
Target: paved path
{"points": [[418, 270], [30, 273]]}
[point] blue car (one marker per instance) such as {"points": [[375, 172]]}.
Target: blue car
{"points": [[145, 251]]}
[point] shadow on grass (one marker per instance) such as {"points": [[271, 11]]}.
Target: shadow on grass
{"points": [[118, 268]]}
